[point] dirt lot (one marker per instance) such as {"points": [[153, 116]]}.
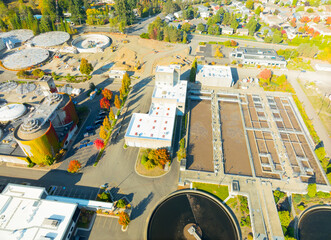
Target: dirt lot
{"points": [[200, 146], [234, 142]]}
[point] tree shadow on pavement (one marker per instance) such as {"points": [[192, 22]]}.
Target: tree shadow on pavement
{"points": [[141, 207]]}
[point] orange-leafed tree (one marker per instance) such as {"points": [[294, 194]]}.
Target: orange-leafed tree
{"points": [[316, 34], [311, 31], [103, 133], [159, 156], [305, 19], [106, 124], [265, 74], [106, 93], [233, 43], [99, 144], [124, 219], [316, 19], [293, 22], [74, 166], [117, 102], [104, 103], [328, 21]]}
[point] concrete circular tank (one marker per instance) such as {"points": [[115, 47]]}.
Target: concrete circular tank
{"points": [[91, 43], [16, 36], [11, 112], [185, 213], [26, 58], [50, 39], [314, 224]]}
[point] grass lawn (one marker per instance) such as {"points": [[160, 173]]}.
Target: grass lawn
{"points": [[320, 103], [220, 191], [299, 64]]}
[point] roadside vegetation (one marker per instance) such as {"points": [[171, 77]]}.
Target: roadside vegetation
{"points": [[239, 206], [313, 197], [284, 212]]}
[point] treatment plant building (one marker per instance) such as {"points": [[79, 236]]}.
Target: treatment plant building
{"points": [[214, 76], [156, 128], [25, 213], [50, 126]]}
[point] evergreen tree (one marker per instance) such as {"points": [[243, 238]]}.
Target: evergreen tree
{"points": [[44, 25], [85, 67]]}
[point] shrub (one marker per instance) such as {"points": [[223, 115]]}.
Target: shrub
{"points": [[240, 65], [311, 190], [105, 197], [121, 203], [144, 159], [323, 195], [284, 217], [301, 207], [22, 74], [74, 166], [245, 221], [243, 204], [124, 219], [144, 35], [38, 73], [49, 160], [296, 198]]}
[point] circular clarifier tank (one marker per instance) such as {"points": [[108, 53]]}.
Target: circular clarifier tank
{"points": [[91, 43], [50, 39], [314, 224], [11, 112], [186, 213], [22, 59]]}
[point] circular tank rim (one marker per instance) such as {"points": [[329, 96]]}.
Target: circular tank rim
{"points": [[312, 208], [11, 114], [86, 36], [233, 218], [36, 40]]}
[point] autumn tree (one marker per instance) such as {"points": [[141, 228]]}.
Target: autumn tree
{"points": [[99, 144], [265, 74], [126, 82], [117, 102], [293, 22], [218, 53], [124, 219], [316, 19], [103, 133], [85, 67], [104, 103], [328, 21], [74, 166], [233, 43], [159, 156], [305, 19], [106, 93], [111, 114], [106, 124]]}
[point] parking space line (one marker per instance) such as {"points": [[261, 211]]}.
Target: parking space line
{"points": [[105, 221]]}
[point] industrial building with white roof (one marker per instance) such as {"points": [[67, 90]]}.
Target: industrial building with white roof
{"points": [[214, 76], [25, 214], [156, 128]]}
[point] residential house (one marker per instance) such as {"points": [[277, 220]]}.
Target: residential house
{"points": [[242, 31], [170, 17], [226, 30], [272, 20], [322, 28], [178, 14]]}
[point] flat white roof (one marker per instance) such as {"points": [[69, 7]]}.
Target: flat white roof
{"points": [[22, 217], [167, 69], [157, 124], [209, 71], [165, 91]]}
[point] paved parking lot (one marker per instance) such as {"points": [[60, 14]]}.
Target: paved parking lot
{"points": [[73, 192], [107, 228]]}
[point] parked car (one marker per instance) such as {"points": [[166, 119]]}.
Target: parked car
{"points": [[101, 117], [85, 141], [98, 121], [87, 134]]}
